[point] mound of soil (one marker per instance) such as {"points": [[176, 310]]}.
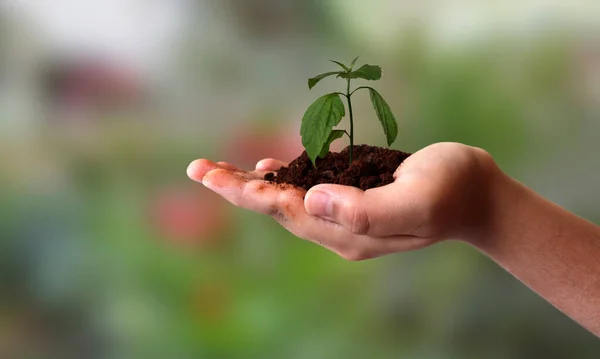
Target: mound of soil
{"points": [[371, 167]]}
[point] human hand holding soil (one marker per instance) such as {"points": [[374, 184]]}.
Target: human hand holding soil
{"points": [[438, 193], [445, 191]]}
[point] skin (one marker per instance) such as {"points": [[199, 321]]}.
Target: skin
{"points": [[447, 191]]}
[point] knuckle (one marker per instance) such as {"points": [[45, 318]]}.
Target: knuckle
{"points": [[358, 220], [351, 256], [354, 255]]}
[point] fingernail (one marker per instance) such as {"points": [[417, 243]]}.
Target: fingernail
{"points": [[318, 203]]}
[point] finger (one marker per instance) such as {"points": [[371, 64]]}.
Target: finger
{"points": [[283, 203], [378, 212], [270, 165], [227, 166], [199, 168], [247, 190]]}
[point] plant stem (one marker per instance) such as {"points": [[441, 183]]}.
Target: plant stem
{"points": [[360, 88], [348, 95]]}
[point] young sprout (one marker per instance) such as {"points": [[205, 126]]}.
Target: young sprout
{"points": [[323, 115]]}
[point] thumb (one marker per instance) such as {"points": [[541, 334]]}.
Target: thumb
{"points": [[376, 212]]}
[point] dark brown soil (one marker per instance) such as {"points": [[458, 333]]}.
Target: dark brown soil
{"points": [[372, 167]]}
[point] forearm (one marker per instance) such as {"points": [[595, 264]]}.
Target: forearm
{"points": [[553, 251]]}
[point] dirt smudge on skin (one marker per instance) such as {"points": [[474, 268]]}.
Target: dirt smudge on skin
{"points": [[281, 218], [288, 210], [285, 186], [273, 210]]}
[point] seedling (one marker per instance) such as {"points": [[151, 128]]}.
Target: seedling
{"points": [[323, 115]]}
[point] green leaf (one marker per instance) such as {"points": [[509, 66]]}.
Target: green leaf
{"points": [[341, 65], [315, 80], [334, 135], [367, 72], [385, 115], [353, 63], [318, 121]]}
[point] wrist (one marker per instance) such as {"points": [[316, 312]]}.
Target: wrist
{"points": [[498, 196]]}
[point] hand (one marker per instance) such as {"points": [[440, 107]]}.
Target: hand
{"points": [[440, 192]]}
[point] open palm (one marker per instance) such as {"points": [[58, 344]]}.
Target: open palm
{"points": [[438, 194]]}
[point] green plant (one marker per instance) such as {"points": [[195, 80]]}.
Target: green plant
{"points": [[324, 114]]}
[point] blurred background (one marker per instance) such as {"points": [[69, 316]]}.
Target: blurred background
{"points": [[107, 250]]}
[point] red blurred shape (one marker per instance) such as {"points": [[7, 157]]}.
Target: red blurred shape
{"points": [[188, 216], [253, 143]]}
